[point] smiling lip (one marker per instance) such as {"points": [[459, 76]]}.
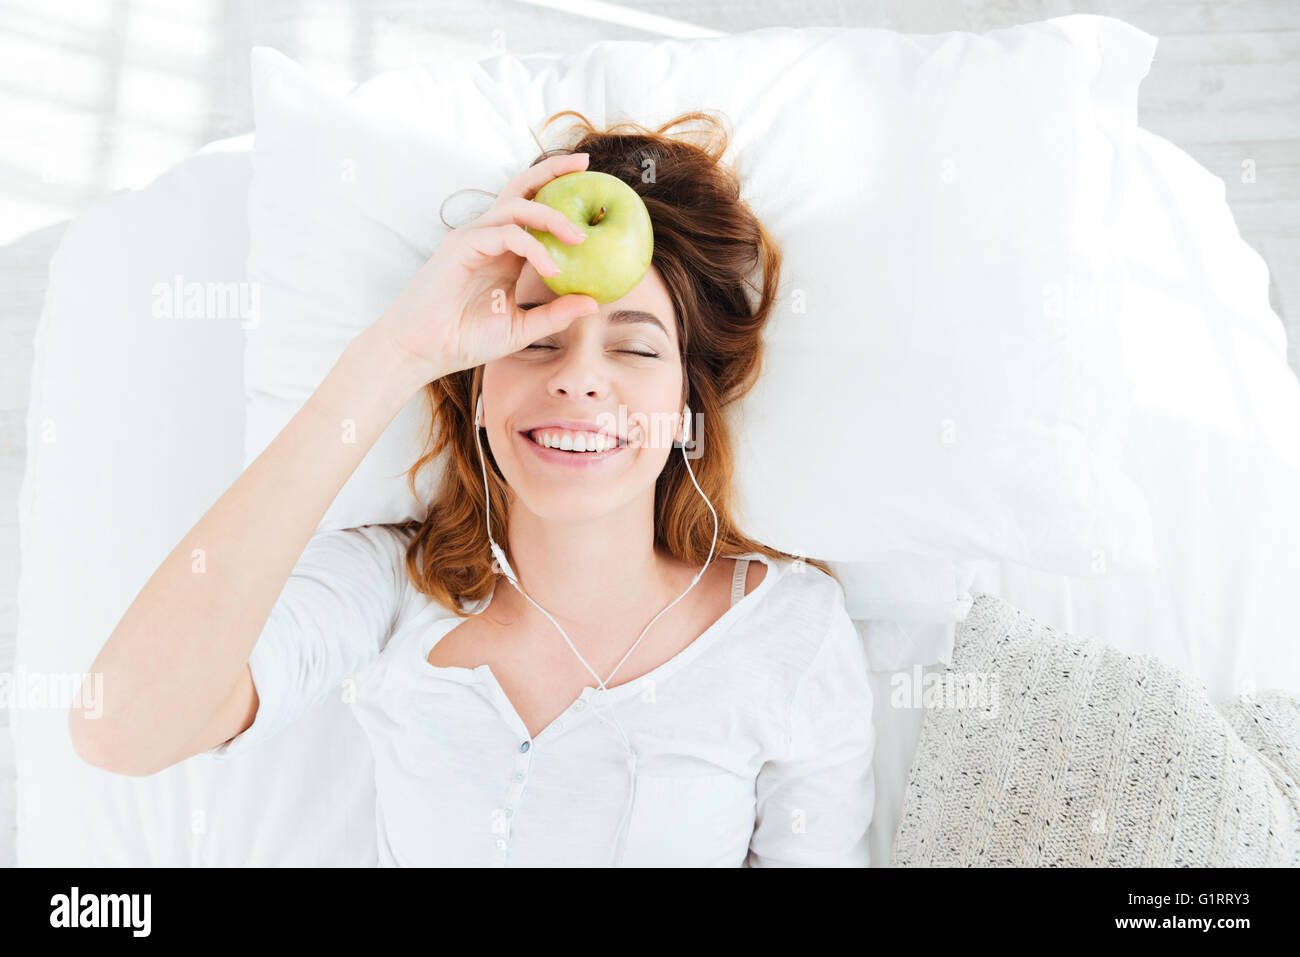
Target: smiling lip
{"points": [[576, 460], [573, 425]]}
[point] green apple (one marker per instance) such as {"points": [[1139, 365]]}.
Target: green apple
{"points": [[609, 263]]}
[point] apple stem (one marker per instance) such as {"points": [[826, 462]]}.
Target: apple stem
{"points": [[599, 217]]}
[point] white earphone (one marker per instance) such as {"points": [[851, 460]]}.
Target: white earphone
{"points": [[617, 854]]}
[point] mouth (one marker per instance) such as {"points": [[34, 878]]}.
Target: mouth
{"points": [[569, 457]]}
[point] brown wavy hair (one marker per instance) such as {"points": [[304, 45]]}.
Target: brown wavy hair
{"points": [[708, 245]]}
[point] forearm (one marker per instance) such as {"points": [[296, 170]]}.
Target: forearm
{"points": [[177, 652]]}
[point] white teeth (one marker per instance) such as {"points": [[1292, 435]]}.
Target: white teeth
{"points": [[582, 442]]}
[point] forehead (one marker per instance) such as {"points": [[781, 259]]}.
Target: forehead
{"points": [[650, 295]]}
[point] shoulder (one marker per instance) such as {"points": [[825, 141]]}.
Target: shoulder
{"points": [[801, 639], [369, 562], [379, 541], [831, 676], [822, 597], [371, 554], [801, 607], [805, 587]]}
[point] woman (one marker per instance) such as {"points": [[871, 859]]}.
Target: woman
{"points": [[630, 698]]}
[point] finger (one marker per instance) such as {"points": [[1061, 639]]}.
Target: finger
{"points": [[535, 177], [551, 317], [488, 242], [529, 213]]}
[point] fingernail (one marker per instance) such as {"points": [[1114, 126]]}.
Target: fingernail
{"points": [[577, 233]]}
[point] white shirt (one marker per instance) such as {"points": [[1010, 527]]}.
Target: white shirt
{"points": [[753, 745]]}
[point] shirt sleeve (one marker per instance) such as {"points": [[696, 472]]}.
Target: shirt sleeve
{"points": [[815, 803], [333, 616]]}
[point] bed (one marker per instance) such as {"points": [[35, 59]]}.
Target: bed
{"points": [[138, 422]]}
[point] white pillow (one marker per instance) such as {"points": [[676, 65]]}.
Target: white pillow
{"points": [[153, 398], [1215, 446], [943, 204]]}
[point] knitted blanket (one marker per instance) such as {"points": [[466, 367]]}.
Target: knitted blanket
{"points": [[1041, 749]]}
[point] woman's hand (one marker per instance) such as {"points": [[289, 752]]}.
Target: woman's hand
{"points": [[459, 310]]}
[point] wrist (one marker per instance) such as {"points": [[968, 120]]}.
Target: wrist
{"points": [[370, 382], [395, 372]]}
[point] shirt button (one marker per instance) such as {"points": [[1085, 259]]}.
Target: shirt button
{"points": [[579, 706], [519, 775], [501, 844], [523, 747], [509, 811]]}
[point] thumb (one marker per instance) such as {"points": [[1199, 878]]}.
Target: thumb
{"points": [[551, 317]]}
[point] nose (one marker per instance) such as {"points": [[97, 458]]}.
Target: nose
{"points": [[579, 373]]}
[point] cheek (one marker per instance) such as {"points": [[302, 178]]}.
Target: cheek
{"points": [[505, 392], [662, 401], [657, 432]]}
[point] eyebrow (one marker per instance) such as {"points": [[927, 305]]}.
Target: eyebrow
{"points": [[620, 316]]}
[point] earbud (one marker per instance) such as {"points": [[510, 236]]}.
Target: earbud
{"points": [[478, 413], [686, 424], [505, 565]]}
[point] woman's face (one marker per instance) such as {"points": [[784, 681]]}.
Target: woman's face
{"points": [[618, 370]]}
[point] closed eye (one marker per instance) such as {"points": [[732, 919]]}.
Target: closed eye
{"points": [[631, 352]]}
